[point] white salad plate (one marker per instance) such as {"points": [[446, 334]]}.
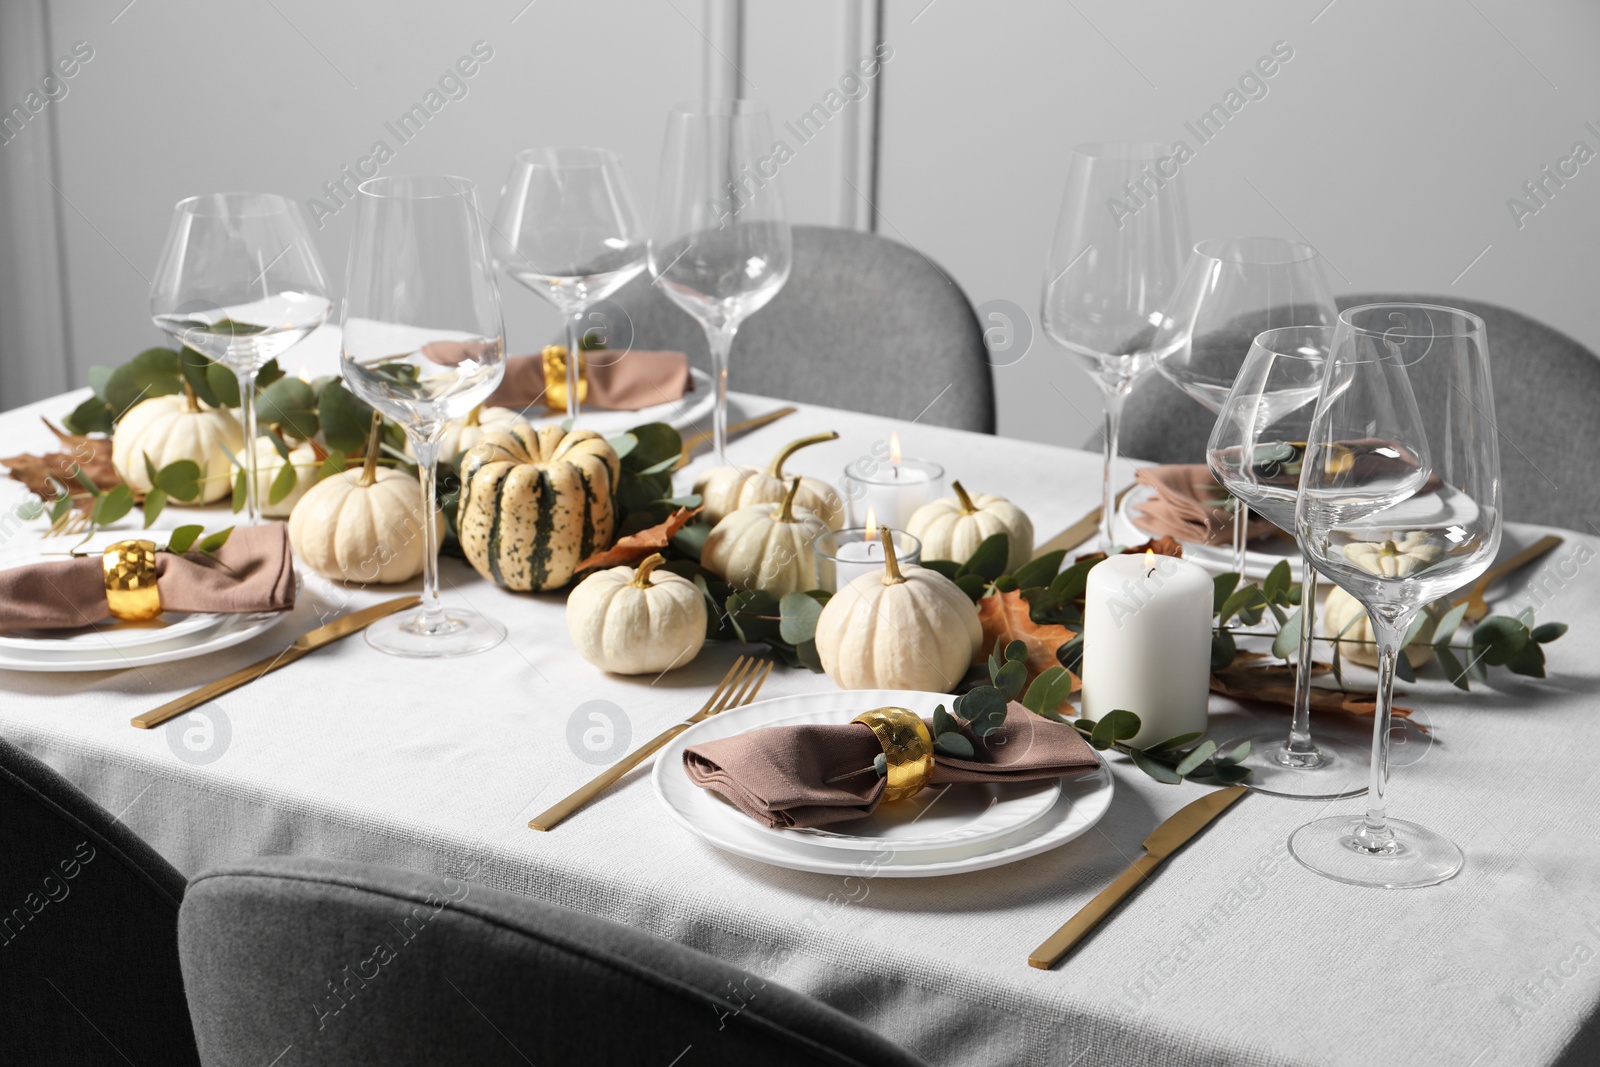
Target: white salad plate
{"points": [[1218, 559]]}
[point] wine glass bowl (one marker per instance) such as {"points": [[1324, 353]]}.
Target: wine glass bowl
{"points": [[720, 244], [1399, 504], [1117, 253], [566, 228], [239, 281], [423, 342]]}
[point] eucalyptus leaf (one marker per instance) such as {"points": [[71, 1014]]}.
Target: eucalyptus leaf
{"points": [[988, 560], [1041, 571], [240, 491], [183, 537], [946, 567], [1277, 581], [1153, 767], [1449, 624], [94, 415], [283, 484], [1237, 754], [943, 722], [1287, 641], [1202, 752], [1012, 677], [224, 385], [1239, 599], [334, 464], [345, 418], [1115, 726], [1048, 691], [154, 501], [214, 541], [880, 764], [1070, 654], [800, 613], [1501, 637], [1452, 667], [1403, 669], [179, 479], [973, 585], [754, 614], [1016, 652], [1528, 661], [112, 505], [1222, 587], [691, 539], [1223, 649], [955, 745], [1548, 632], [984, 709], [1172, 743], [194, 366], [806, 653], [291, 405]]}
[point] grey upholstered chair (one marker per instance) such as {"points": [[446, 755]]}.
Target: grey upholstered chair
{"points": [[1546, 399], [89, 935], [360, 965], [864, 323]]}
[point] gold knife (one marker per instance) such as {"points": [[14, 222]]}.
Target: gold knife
{"points": [[1477, 606], [343, 626], [1078, 532], [737, 428], [1163, 842]]}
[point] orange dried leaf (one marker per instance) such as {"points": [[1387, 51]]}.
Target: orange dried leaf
{"points": [[1006, 617], [1161, 546], [40, 472], [636, 546]]}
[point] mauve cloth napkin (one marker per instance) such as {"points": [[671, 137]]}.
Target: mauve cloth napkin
{"points": [[618, 381], [780, 775], [253, 571], [1187, 506]]}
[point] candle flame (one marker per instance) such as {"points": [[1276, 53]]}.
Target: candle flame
{"points": [[872, 525], [894, 447], [305, 373], [1149, 557]]}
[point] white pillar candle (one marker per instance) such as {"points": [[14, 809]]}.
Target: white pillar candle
{"points": [[1147, 644]]}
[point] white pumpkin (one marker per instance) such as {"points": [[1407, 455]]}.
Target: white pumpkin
{"points": [[172, 428], [363, 525], [635, 621], [724, 490], [460, 435], [766, 546], [953, 527], [902, 629], [1358, 643], [1396, 559], [269, 465]]}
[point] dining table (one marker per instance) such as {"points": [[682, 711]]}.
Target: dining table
{"points": [[1233, 953]]}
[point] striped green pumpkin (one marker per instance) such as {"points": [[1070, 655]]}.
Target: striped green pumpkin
{"points": [[536, 502]]}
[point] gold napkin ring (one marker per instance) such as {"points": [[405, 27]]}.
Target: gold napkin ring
{"points": [[131, 591], [907, 746], [555, 377]]}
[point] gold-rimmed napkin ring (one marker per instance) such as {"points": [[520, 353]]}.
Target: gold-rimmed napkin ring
{"points": [[555, 377], [130, 570], [907, 747]]}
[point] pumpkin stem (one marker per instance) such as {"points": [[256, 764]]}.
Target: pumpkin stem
{"points": [[188, 394], [641, 577], [369, 469], [474, 415], [967, 506], [891, 565], [776, 468], [786, 512]]}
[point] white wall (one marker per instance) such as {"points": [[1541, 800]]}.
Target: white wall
{"points": [[1391, 140]]}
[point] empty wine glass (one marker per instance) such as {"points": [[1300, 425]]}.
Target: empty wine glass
{"points": [[1232, 289], [423, 343], [1255, 451], [240, 282], [567, 229], [1399, 505], [1118, 250], [720, 246]]}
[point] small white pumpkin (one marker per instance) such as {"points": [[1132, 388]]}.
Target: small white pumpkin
{"points": [[634, 621], [725, 490], [172, 428], [766, 546], [903, 629], [363, 525], [1358, 643], [269, 465], [460, 435], [1396, 559], [953, 527]]}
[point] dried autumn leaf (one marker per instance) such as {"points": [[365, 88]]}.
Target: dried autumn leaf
{"points": [[636, 546], [40, 473], [1161, 546], [1275, 685], [1006, 617]]}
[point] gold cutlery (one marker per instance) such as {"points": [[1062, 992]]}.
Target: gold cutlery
{"points": [[343, 626], [1477, 606], [737, 688], [692, 443], [1078, 532], [1162, 843]]}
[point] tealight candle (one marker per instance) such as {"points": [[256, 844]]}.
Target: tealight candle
{"points": [[1147, 644], [892, 490], [856, 550]]}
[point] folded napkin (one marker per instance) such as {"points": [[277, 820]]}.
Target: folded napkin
{"points": [[618, 381], [781, 775], [253, 571], [1189, 505]]}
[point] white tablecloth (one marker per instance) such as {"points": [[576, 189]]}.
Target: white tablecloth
{"points": [[1234, 954]]}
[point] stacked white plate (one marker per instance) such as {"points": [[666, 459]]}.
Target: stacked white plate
{"points": [[1218, 559], [940, 831], [110, 645]]}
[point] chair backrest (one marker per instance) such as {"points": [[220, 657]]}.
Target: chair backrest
{"points": [[864, 323], [88, 930], [1547, 407], [363, 965]]}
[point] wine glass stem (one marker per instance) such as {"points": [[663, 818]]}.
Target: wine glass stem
{"points": [[1374, 833], [574, 358], [1241, 527], [1115, 395], [1299, 742], [430, 617], [720, 341], [247, 414]]}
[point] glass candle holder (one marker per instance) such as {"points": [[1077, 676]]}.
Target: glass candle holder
{"points": [[891, 491], [843, 555]]}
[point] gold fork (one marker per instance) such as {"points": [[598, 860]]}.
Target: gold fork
{"points": [[72, 521], [737, 688]]}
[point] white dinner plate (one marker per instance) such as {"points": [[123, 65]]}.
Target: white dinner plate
{"points": [[1259, 558], [1078, 800], [231, 630]]}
